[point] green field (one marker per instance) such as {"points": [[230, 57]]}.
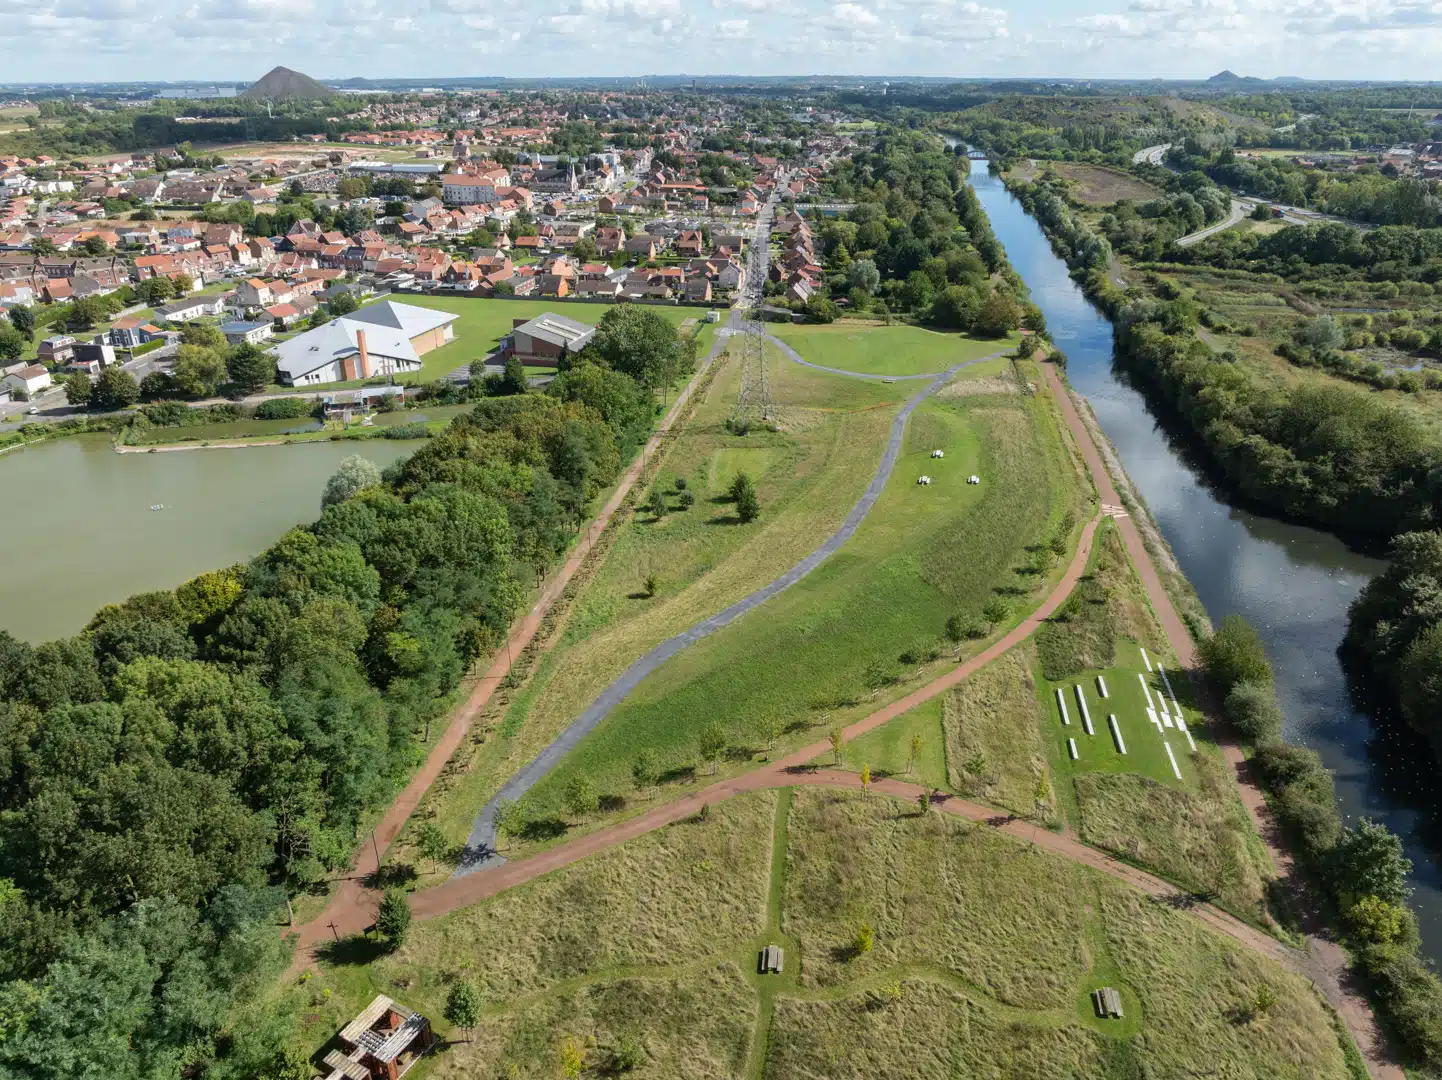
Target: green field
{"points": [[984, 950], [886, 350], [483, 323], [871, 617], [809, 472]]}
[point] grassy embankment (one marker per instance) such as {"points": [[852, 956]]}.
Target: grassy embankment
{"points": [[868, 624], [831, 435], [1000, 739], [984, 951]]}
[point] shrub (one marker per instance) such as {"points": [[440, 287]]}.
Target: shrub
{"points": [[414, 430], [284, 408], [1234, 654], [1252, 708], [393, 917]]}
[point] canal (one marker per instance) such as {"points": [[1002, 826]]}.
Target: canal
{"points": [[79, 532], [1292, 583]]}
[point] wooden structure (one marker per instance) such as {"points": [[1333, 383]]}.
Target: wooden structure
{"points": [[771, 960], [1107, 1002], [381, 1043]]}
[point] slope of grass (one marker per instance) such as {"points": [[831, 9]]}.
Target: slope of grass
{"points": [[886, 350], [871, 613], [808, 475]]}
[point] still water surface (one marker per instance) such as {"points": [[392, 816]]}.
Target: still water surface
{"points": [[1292, 583], [79, 533]]}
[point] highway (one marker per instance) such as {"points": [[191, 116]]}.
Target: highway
{"points": [[1239, 211], [1152, 155]]}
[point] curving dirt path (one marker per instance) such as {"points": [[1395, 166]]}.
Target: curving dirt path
{"points": [[352, 900], [480, 849], [1324, 962]]}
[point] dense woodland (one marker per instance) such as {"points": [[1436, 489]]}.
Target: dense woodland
{"points": [[171, 774], [918, 241]]}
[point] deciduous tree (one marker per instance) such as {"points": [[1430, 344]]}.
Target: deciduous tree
{"points": [[463, 1006]]}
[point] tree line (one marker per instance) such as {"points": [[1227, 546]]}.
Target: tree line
{"points": [[172, 773], [1361, 871]]}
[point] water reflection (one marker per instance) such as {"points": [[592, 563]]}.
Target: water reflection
{"points": [[1292, 583]]}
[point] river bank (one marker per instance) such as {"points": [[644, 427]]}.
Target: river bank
{"points": [[1294, 584]]}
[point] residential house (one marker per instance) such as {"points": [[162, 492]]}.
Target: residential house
{"points": [[610, 240], [191, 308], [555, 285], [690, 243], [132, 331], [57, 350], [237, 333], [25, 379], [645, 247], [698, 290]]}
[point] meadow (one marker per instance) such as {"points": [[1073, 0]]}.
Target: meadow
{"points": [[809, 472], [873, 615], [983, 950]]}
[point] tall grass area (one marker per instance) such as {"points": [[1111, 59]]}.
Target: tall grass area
{"points": [[879, 606], [1108, 604], [994, 752], [983, 952], [808, 474]]}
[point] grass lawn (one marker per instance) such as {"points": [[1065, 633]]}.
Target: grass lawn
{"points": [[910, 747], [984, 951], [483, 323], [808, 473], [872, 615], [886, 350]]}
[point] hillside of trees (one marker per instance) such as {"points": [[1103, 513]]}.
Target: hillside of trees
{"points": [[172, 773]]}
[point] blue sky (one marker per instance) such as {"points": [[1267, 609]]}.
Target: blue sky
{"points": [[242, 39]]}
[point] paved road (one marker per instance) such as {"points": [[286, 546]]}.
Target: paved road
{"points": [[481, 844], [1152, 155], [1239, 211]]}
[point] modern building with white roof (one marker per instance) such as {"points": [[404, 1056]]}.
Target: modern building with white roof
{"points": [[383, 339]]}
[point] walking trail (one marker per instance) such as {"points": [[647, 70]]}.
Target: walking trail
{"points": [[351, 910], [480, 849]]}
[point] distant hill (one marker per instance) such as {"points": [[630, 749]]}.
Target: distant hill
{"points": [[282, 84], [1224, 76]]}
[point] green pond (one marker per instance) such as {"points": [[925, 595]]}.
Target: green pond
{"points": [[79, 533]]}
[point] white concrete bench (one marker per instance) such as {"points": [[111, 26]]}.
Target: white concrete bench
{"points": [[1116, 733], [1086, 713], [1061, 704]]}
